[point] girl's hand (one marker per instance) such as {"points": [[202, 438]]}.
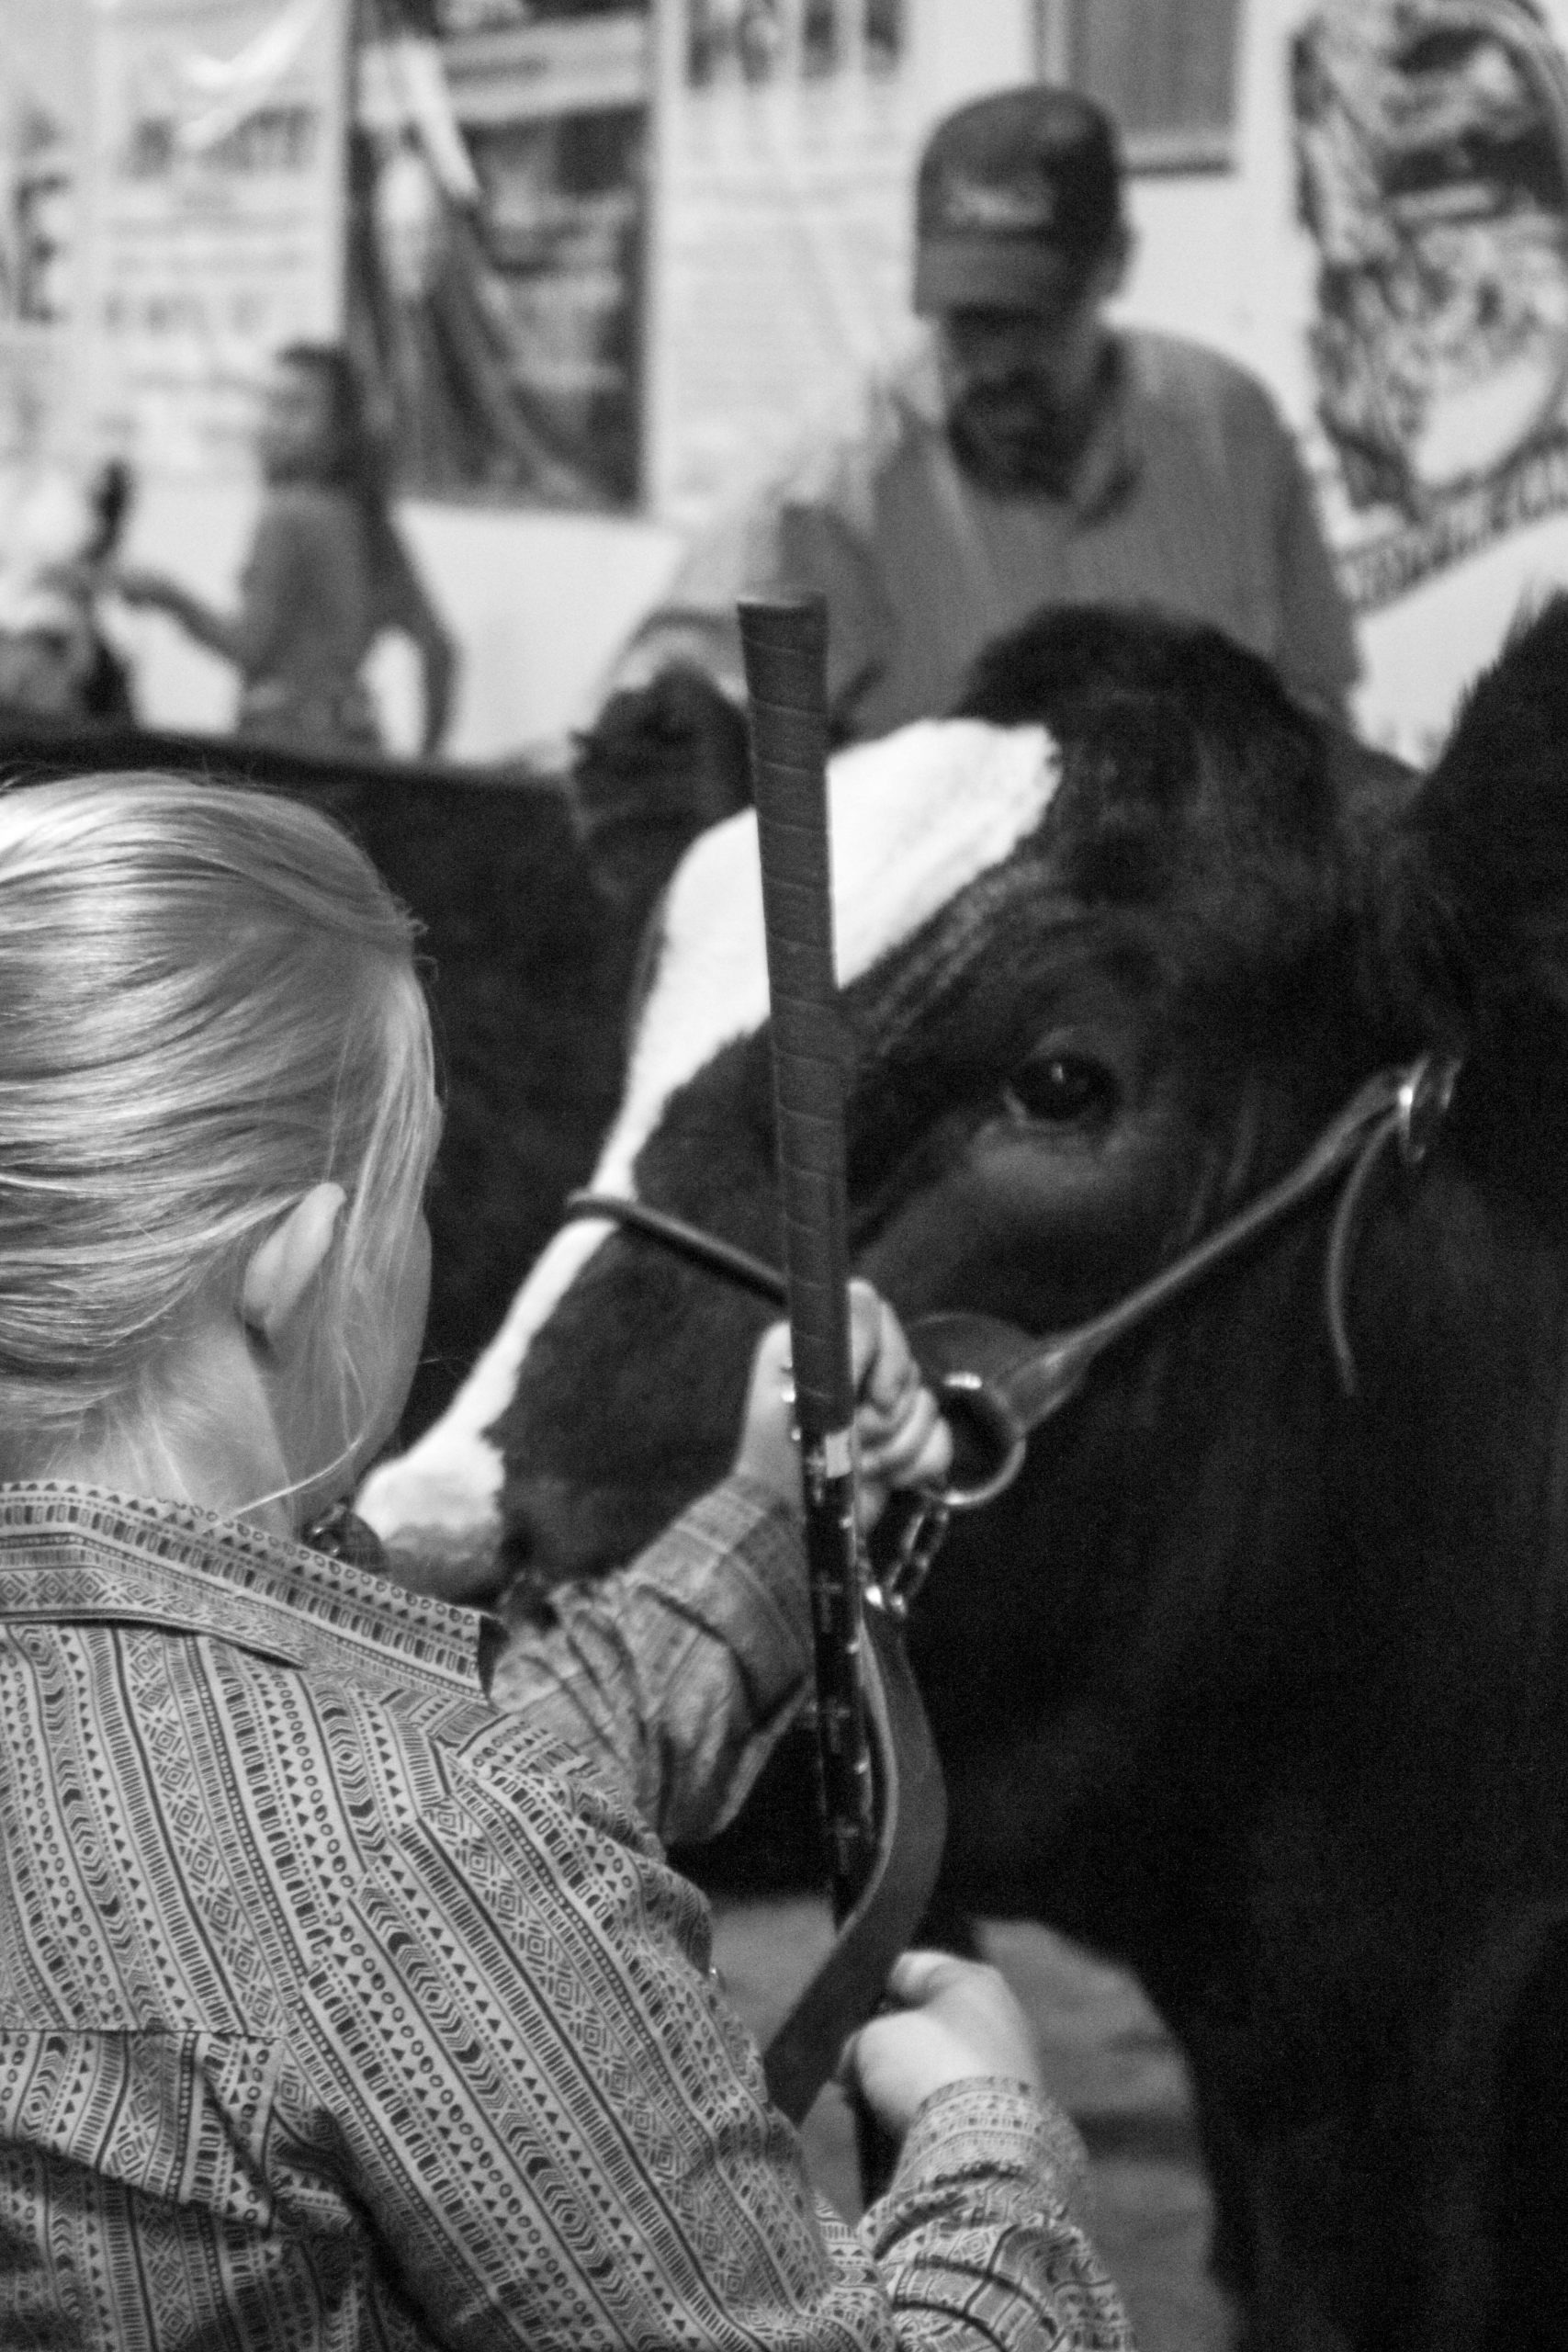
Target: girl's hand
{"points": [[958, 2021], [900, 1437]]}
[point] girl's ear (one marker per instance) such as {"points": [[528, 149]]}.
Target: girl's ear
{"points": [[283, 1267]]}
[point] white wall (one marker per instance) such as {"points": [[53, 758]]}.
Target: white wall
{"points": [[1187, 273], [538, 604], [960, 49]]}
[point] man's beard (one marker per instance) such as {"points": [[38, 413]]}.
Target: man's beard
{"points": [[1015, 438]]}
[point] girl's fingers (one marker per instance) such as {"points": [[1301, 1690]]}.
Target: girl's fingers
{"points": [[901, 1436], [893, 1370], [917, 1441], [880, 1352], [916, 1975]]}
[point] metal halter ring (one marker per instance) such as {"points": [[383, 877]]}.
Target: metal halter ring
{"points": [[1425, 1094], [975, 1404]]}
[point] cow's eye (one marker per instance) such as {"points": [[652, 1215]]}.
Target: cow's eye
{"points": [[1063, 1089]]}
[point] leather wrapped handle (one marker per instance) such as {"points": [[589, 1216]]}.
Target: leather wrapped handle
{"points": [[784, 646], [784, 643]]}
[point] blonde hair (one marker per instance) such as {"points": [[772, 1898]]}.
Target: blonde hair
{"points": [[208, 1004]]}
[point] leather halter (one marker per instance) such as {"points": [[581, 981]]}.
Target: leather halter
{"points": [[1004, 1381]]}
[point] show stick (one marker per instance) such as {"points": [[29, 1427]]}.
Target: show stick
{"points": [[784, 646], [878, 1888]]}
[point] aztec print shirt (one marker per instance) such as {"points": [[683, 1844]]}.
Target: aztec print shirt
{"points": [[1188, 496], [341, 2008]]}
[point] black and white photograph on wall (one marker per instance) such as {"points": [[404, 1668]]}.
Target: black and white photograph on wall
{"points": [[497, 239], [1432, 148], [763, 41]]}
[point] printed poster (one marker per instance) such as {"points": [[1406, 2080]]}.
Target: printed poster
{"points": [[41, 111], [216, 217], [1408, 162], [1432, 143], [499, 238]]}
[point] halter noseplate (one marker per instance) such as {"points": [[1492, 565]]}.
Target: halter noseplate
{"points": [[998, 1382]]}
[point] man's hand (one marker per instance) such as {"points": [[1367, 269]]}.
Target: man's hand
{"points": [[900, 1437]]}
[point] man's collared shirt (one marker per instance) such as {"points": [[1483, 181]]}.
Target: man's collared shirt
{"points": [[1188, 496], [341, 2008]]}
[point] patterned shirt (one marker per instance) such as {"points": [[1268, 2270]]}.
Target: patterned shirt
{"points": [[1190, 495], [341, 2008]]}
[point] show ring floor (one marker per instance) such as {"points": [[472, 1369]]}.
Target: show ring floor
{"points": [[1108, 2060]]}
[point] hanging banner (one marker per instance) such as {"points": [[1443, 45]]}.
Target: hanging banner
{"points": [[1407, 166], [41, 109], [497, 291], [216, 217]]}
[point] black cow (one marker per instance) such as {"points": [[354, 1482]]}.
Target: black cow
{"points": [[1258, 1685]]}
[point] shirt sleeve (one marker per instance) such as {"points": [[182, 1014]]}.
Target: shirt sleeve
{"points": [[1033, 2278], [1319, 653], [268, 587], [808, 528], [734, 555], [558, 2136], [677, 1673], [820, 548]]}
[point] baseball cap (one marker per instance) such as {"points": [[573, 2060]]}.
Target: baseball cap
{"points": [[1018, 194]]}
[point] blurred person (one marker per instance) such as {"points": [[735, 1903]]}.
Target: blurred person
{"points": [[344, 2007], [1028, 452], [46, 651], [328, 573], [57, 545]]}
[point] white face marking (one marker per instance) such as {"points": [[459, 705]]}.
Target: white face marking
{"points": [[914, 819]]}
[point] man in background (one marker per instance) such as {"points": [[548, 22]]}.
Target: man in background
{"points": [[1027, 453]]}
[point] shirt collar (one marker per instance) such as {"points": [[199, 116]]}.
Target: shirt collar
{"points": [[1107, 469], [78, 1554]]}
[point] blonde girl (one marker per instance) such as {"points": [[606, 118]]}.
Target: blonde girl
{"points": [[339, 2008]]}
